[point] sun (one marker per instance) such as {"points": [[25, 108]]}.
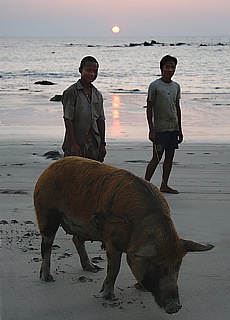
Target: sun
{"points": [[115, 29]]}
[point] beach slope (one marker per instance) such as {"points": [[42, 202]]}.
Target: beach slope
{"points": [[200, 212]]}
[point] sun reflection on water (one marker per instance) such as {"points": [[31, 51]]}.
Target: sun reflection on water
{"points": [[116, 125]]}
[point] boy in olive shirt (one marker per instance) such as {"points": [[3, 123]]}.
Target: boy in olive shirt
{"points": [[83, 115]]}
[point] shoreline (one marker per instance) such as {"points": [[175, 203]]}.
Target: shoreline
{"points": [[23, 114]]}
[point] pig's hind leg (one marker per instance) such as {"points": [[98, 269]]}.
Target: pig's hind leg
{"points": [[86, 264], [46, 247], [48, 232]]}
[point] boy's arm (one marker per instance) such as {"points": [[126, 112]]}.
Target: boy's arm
{"points": [[179, 121], [102, 149], [152, 133], [101, 129], [75, 149], [69, 98]]}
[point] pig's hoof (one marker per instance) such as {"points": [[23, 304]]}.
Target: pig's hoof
{"points": [[109, 296], [98, 268], [92, 268], [140, 287], [47, 277]]}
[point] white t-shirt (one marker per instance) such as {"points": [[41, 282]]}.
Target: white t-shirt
{"points": [[164, 97]]}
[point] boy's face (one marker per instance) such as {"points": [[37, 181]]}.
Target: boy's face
{"points": [[89, 72], [168, 70]]}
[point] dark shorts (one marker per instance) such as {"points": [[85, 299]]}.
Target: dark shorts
{"points": [[167, 140]]}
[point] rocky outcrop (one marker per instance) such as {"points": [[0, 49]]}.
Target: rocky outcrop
{"points": [[57, 97], [44, 83]]}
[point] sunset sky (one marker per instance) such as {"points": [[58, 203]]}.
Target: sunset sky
{"points": [[96, 17]]}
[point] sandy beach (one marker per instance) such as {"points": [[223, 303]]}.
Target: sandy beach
{"points": [[31, 125], [200, 212]]}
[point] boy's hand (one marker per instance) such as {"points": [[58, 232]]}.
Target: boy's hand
{"points": [[76, 151], [180, 137], [102, 153], [152, 135]]}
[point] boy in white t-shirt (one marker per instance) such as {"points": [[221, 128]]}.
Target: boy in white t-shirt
{"points": [[164, 121]]}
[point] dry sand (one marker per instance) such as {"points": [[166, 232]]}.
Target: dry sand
{"points": [[200, 212]]}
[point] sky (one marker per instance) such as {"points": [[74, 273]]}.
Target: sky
{"points": [[37, 18]]}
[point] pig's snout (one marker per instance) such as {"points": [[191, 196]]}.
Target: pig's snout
{"points": [[172, 306]]}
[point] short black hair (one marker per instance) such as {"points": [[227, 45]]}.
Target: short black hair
{"points": [[165, 59], [87, 59]]}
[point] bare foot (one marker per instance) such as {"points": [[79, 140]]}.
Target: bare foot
{"points": [[167, 189]]}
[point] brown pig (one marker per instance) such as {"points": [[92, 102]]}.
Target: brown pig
{"points": [[97, 202]]}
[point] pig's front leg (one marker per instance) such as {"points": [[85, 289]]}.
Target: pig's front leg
{"points": [[87, 265], [113, 267]]}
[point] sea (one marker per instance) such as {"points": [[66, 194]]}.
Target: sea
{"points": [[127, 66]]}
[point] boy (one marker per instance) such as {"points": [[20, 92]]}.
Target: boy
{"points": [[164, 121], [83, 115]]}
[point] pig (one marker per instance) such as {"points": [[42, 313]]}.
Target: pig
{"points": [[93, 201]]}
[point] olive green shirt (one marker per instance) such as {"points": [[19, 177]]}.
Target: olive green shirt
{"points": [[82, 112]]}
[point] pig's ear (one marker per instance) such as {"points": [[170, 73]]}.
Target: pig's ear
{"points": [[191, 246], [147, 251]]}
